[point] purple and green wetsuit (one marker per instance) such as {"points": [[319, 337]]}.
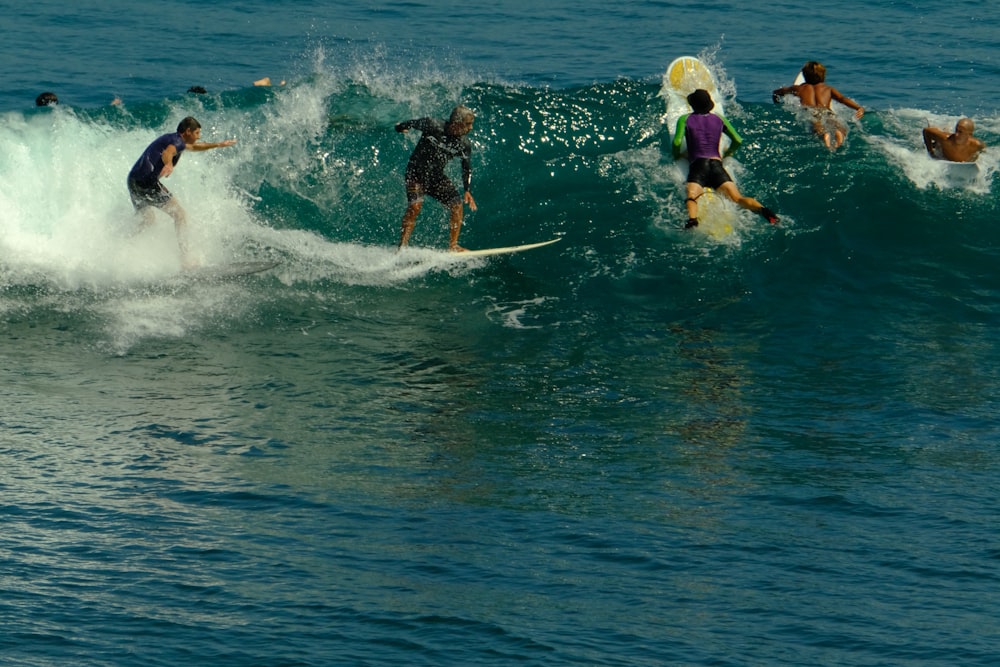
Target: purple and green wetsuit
{"points": [[703, 131]]}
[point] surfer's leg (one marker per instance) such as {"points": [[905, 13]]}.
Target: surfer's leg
{"points": [[146, 219], [442, 189], [730, 190], [694, 191], [409, 222], [175, 211], [819, 126], [414, 202], [454, 227], [143, 200], [839, 137], [838, 128]]}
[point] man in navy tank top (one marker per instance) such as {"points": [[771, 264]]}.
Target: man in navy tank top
{"points": [[159, 160]]}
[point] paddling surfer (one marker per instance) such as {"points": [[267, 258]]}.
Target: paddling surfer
{"points": [[959, 146], [816, 95], [703, 130]]}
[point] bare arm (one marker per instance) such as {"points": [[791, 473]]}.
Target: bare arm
{"points": [[932, 140], [859, 110], [778, 93], [205, 145], [167, 157]]}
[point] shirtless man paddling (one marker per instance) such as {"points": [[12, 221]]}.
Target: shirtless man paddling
{"points": [[817, 95], [959, 146]]}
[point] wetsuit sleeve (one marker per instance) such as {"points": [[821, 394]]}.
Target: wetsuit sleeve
{"points": [[679, 135], [417, 123], [467, 167], [737, 140]]}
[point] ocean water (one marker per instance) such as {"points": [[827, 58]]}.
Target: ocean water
{"points": [[637, 446]]}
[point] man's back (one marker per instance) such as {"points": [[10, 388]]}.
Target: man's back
{"points": [[961, 149], [815, 94]]}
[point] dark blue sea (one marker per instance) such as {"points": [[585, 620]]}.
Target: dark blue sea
{"points": [[638, 446]]}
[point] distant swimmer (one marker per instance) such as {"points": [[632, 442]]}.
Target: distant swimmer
{"points": [[817, 95], [46, 100], [959, 146], [158, 161], [703, 131], [51, 100], [440, 142]]}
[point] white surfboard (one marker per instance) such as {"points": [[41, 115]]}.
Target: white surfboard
{"points": [[959, 174], [717, 215], [485, 252], [230, 270], [682, 77], [964, 169]]}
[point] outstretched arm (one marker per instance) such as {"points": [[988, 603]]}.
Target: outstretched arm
{"points": [[416, 123], [778, 93], [206, 145], [859, 110]]}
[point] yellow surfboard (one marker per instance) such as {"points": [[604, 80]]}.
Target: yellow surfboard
{"points": [[686, 74], [716, 215]]}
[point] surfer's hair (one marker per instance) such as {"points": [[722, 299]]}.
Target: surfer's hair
{"points": [[461, 114], [46, 99], [813, 72], [189, 123]]}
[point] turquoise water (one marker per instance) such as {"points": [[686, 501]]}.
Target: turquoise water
{"points": [[637, 446]]}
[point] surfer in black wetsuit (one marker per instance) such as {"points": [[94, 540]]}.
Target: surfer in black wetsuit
{"points": [[440, 142]]}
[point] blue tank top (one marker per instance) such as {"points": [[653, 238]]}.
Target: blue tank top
{"points": [[147, 168]]}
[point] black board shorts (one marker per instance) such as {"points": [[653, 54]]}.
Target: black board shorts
{"points": [[708, 173], [438, 186], [144, 195]]}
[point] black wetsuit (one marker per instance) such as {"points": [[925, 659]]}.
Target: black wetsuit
{"points": [[425, 170]]}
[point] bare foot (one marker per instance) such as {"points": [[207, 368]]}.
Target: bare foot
{"points": [[457, 248]]}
